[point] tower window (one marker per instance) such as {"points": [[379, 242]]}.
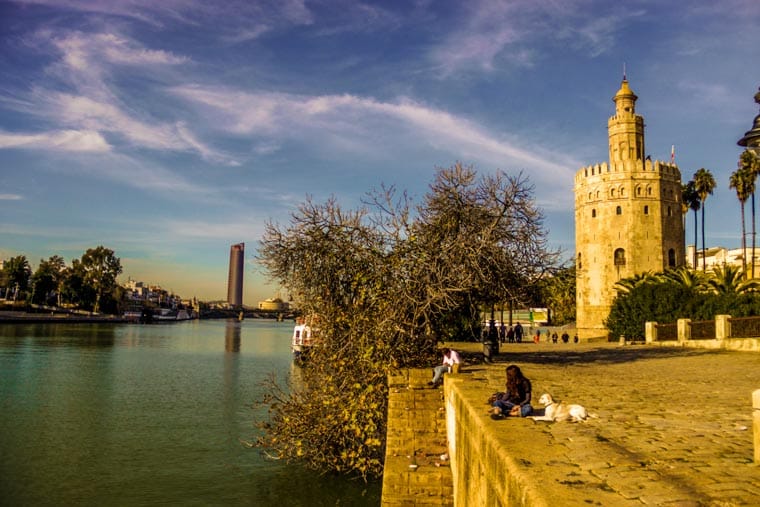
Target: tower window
{"points": [[589, 196], [618, 210], [646, 210], [638, 190], [619, 257], [593, 213], [580, 263], [649, 190], [669, 211], [622, 191], [671, 258], [612, 192]]}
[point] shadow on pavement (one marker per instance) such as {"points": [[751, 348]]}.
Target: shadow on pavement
{"points": [[600, 355]]}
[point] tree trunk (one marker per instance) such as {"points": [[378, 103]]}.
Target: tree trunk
{"points": [[744, 242], [752, 267], [704, 257], [696, 242]]}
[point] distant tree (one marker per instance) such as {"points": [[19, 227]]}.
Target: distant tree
{"points": [[16, 274], [704, 184], [743, 182], [750, 163], [559, 294], [47, 279], [690, 199], [379, 281], [74, 289], [101, 267]]}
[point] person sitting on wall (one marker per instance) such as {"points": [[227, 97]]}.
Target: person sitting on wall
{"points": [[565, 337], [516, 400], [450, 358]]}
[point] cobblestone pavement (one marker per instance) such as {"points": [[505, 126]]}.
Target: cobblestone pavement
{"points": [[674, 425]]}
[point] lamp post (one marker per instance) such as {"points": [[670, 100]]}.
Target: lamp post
{"points": [[751, 141]]}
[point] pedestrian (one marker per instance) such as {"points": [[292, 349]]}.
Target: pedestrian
{"points": [[511, 335], [519, 333], [565, 337], [537, 338], [516, 400], [575, 339], [554, 337], [502, 333], [450, 358]]}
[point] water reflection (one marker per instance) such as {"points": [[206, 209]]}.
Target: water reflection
{"points": [[232, 336]]}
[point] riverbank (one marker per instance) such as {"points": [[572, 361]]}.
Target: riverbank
{"points": [[52, 317]]}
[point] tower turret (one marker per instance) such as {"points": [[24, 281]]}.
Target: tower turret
{"points": [[626, 128]]}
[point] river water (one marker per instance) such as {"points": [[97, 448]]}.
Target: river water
{"points": [[127, 414]]}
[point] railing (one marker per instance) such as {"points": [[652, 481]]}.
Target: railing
{"points": [[703, 330], [667, 332], [745, 327]]}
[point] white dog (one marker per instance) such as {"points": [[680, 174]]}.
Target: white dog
{"points": [[557, 411]]}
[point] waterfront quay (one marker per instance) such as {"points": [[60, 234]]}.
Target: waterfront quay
{"points": [[673, 427]]}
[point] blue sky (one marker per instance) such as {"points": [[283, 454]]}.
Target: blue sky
{"points": [[168, 130]]}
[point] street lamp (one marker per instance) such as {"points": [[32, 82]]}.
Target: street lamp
{"points": [[751, 141]]}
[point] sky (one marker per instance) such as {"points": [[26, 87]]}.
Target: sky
{"points": [[169, 130]]}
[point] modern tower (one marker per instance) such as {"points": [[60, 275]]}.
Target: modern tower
{"points": [[628, 217], [235, 278]]}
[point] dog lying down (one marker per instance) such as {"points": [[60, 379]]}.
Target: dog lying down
{"points": [[558, 411]]}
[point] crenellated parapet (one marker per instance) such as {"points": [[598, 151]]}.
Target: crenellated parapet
{"points": [[665, 170]]}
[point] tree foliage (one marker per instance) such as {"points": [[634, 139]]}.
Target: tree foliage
{"points": [[681, 293], [558, 293], [385, 283]]}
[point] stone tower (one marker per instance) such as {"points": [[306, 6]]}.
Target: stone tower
{"points": [[628, 217]]}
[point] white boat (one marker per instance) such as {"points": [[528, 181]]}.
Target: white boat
{"points": [[304, 338]]}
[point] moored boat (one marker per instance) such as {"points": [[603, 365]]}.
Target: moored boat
{"points": [[304, 338]]}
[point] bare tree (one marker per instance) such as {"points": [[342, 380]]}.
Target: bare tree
{"points": [[380, 280]]}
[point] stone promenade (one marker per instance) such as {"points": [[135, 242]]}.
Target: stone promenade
{"points": [[673, 425]]}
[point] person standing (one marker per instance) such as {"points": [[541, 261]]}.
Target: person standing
{"points": [[518, 332], [450, 358]]}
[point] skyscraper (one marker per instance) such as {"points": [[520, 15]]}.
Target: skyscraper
{"points": [[235, 278]]}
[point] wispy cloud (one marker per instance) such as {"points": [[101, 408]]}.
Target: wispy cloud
{"points": [[63, 140], [496, 33], [10, 197], [353, 121]]}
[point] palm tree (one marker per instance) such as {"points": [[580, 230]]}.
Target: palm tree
{"points": [[704, 183], [626, 285], [744, 183], [749, 162], [690, 201], [685, 277], [729, 279]]}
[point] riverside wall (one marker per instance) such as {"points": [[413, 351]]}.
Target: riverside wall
{"points": [[651, 442]]}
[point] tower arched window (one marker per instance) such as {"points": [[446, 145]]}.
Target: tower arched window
{"points": [[669, 211], [612, 192], [580, 262], [619, 257], [597, 194], [618, 210], [671, 258], [589, 196], [646, 210], [649, 190], [622, 191], [638, 190], [593, 213]]}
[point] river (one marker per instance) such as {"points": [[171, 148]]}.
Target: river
{"points": [[128, 414]]}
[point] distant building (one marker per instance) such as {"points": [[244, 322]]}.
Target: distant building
{"points": [[275, 304], [719, 256], [628, 217], [235, 278]]}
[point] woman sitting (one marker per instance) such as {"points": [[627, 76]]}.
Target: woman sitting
{"points": [[516, 401]]}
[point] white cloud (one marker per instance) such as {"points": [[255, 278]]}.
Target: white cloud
{"points": [[10, 197], [62, 140], [352, 123]]}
